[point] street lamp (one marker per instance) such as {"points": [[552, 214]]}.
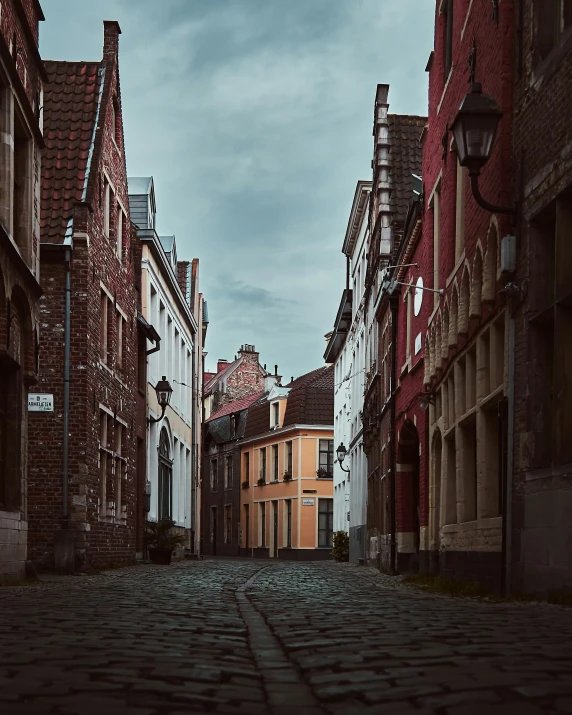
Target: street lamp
{"points": [[164, 392], [341, 452], [474, 129]]}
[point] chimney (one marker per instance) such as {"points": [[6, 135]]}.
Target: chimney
{"points": [[221, 364], [111, 32]]}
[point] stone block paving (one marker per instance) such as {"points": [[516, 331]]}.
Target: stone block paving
{"points": [[250, 637]]}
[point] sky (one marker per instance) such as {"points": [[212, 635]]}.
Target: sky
{"points": [[255, 119]]}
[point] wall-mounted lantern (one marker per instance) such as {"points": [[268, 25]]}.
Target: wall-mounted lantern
{"points": [[164, 392]]}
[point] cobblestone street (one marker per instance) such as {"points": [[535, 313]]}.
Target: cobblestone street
{"points": [[252, 637]]}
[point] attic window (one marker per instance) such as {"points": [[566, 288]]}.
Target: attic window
{"points": [[447, 10], [275, 414]]}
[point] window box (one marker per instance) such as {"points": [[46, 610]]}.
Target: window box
{"points": [[324, 474], [245, 484], [261, 482], [287, 476]]}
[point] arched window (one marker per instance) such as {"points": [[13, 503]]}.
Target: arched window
{"points": [[165, 476]]}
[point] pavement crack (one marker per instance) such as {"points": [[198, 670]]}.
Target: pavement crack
{"points": [[284, 686]]}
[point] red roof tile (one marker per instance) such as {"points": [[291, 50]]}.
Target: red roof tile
{"points": [[236, 406], [70, 108]]}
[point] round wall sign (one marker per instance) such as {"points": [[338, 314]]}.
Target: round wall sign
{"points": [[418, 297]]}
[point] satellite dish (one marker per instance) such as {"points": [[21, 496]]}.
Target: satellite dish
{"points": [[418, 297]]}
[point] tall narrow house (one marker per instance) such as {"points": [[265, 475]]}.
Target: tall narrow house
{"points": [[21, 144], [82, 455]]}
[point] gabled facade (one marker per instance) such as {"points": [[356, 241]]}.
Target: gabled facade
{"points": [[82, 498], [466, 343], [287, 461], [346, 351], [22, 75], [396, 168], [169, 304]]}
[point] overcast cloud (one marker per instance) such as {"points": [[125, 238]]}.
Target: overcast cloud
{"points": [[255, 119]]}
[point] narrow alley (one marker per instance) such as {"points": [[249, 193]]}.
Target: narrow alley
{"points": [[238, 636]]}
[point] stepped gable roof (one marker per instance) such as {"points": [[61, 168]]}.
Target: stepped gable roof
{"points": [[311, 398], [242, 404], [71, 102], [405, 160]]}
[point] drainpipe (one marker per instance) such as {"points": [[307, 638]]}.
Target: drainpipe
{"points": [[393, 457], [194, 471], [67, 333], [507, 585]]}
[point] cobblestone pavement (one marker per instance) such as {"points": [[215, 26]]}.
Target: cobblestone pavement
{"points": [[236, 636]]}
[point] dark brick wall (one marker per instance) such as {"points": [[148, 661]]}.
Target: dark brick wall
{"points": [[94, 263]]}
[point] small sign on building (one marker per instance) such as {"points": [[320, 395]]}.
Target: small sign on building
{"points": [[308, 502], [40, 403], [417, 343]]}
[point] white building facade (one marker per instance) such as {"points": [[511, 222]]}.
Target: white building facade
{"points": [[168, 289], [349, 349]]}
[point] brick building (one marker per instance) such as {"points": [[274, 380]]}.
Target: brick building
{"points": [[227, 395], [396, 163], [21, 146], [466, 357], [542, 505], [82, 485]]}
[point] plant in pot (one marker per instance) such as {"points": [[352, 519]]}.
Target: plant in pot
{"points": [[341, 544], [261, 482], [323, 474], [287, 476], [245, 484], [161, 540]]}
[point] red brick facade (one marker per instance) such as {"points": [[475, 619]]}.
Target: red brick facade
{"points": [[77, 188]]}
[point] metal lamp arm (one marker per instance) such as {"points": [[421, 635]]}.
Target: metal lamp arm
{"points": [[154, 420], [474, 175], [342, 467]]}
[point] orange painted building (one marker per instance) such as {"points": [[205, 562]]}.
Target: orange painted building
{"points": [[286, 467]]}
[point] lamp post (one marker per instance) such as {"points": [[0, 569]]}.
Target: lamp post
{"points": [[164, 392], [341, 452], [474, 129]]}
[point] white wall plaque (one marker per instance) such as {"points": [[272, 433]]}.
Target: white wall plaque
{"points": [[308, 502], [40, 403], [417, 343], [418, 297]]}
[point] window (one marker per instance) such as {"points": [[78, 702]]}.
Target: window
{"points": [[436, 206], [228, 473], [263, 463], [551, 342], [326, 463], [288, 506], [275, 462], [289, 458], [262, 524], [553, 18], [227, 524], [120, 217], [119, 340], [460, 211], [106, 207], [105, 328], [21, 196], [275, 414], [325, 522], [233, 426], [247, 467], [214, 475], [165, 506], [448, 36], [112, 468]]}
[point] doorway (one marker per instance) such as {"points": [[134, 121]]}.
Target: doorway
{"points": [[213, 530], [408, 492], [275, 529]]}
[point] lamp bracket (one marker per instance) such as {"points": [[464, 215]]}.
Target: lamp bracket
{"points": [[474, 175]]}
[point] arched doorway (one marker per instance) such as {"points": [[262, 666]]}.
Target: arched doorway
{"points": [[165, 492], [408, 516]]}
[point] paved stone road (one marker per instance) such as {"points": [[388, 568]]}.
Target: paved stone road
{"points": [[252, 637]]}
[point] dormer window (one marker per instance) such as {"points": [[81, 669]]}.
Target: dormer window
{"points": [[233, 426], [275, 414]]}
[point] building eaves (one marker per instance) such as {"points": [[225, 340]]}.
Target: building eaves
{"points": [[341, 327]]}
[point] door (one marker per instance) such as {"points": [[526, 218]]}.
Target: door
{"points": [[213, 530], [246, 527], [275, 528]]}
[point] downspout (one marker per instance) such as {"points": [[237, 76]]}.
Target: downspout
{"points": [[393, 456], [194, 448], [507, 565], [67, 334]]}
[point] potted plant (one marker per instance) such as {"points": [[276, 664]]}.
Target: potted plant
{"points": [[287, 476], [161, 540], [261, 482], [341, 543], [323, 474], [245, 484]]}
